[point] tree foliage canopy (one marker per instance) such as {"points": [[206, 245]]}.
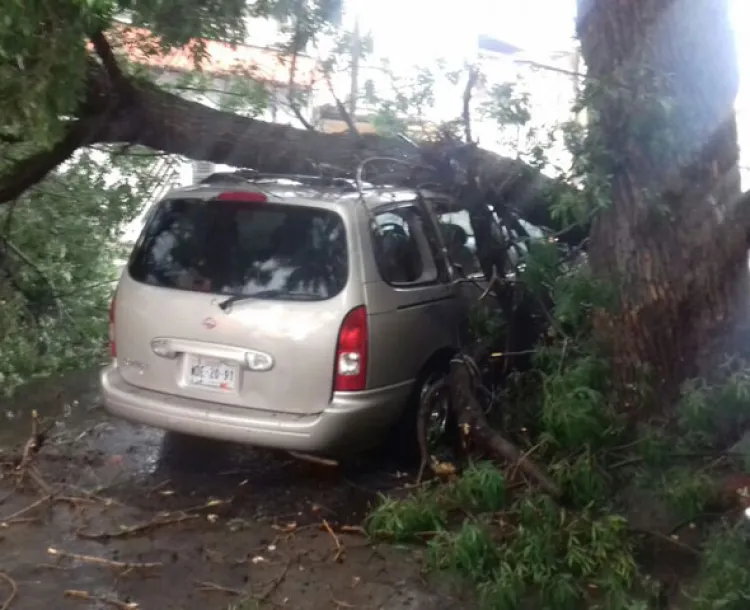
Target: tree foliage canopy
{"points": [[43, 45]]}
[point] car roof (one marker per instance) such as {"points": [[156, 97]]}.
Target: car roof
{"points": [[315, 189]]}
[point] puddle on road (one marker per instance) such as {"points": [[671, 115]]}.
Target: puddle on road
{"points": [[150, 469], [68, 400]]}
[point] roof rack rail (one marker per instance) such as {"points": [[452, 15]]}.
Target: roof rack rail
{"points": [[245, 175]]}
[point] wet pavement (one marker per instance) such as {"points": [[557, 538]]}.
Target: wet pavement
{"points": [[121, 514]]}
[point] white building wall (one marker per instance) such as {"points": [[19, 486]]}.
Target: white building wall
{"points": [[551, 83]]}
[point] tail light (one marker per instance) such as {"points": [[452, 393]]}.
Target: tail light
{"points": [[243, 197], [112, 343], [351, 352]]}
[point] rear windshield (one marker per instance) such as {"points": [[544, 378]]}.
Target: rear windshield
{"points": [[261, 250]]}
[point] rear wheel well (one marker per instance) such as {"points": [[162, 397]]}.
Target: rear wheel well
{"points": [[438, 363], [404, 439]]}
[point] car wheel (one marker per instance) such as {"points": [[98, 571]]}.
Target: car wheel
{"points": [[440, 425], [441, 431]]}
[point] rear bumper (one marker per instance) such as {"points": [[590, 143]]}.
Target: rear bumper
{"points": [[348, 422]]}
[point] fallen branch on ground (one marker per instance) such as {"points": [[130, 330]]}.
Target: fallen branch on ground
{"points": [[423, 415], [339, 547], [13, 590], [33, 444], [338, 603], [314, 459], [471, 418], [204, 506], [30, 449], [275, 584], [212, 587], [207, 587], [73, 501], [18, 521], [289, 528], [95, 495], [25, 510], [49, 498], [133, 530], [108, 601], [672, 540], [101, 561]]}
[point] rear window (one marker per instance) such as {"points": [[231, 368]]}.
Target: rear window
{"points": [[261, 250]]}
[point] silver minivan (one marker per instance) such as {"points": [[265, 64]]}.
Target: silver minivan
{"points": [[288, 312]]}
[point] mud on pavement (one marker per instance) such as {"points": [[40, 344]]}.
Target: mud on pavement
{"points": [[111, 515]]}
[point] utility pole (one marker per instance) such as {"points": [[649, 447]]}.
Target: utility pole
{"points": [[356, 51]]}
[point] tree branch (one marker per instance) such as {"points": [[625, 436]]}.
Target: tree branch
{"points": [[292, 85], [29, 171], [468, 91], [104, 51], [345, 116]]}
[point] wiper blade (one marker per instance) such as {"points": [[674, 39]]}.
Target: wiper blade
{"points": [[265, 294], [227, 303]]}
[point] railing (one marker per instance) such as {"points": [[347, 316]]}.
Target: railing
{"points": [[161, 172], [258, 177]]}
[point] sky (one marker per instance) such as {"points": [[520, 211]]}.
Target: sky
{"points": [[411, 32], [423, 29]]}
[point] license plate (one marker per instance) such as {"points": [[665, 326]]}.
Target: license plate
{"points": [[210, 373]]}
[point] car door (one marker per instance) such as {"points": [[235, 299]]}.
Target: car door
{"points": [[414, 308], [454, 226]]}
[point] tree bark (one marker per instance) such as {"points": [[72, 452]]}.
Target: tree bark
{"points": [[674, 237], [164, 121]]}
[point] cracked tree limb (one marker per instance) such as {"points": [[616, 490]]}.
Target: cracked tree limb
{"points": [[32, 169]]}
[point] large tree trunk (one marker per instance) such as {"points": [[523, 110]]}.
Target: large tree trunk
{"points": [[674, 236]]}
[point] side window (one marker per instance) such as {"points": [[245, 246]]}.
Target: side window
{"points": [[402, 250], [520, 246], [459, 241]]}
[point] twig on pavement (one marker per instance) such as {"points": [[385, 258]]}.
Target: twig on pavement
{"points": [[13, 590], [134, 530], [109, 601], [25, 510], [213, 587], [339, 547], [275, 584], [101, 561]]}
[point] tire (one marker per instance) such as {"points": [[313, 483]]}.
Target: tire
{"points": [[403, 442]]}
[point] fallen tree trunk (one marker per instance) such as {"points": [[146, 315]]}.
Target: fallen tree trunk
{"points": [[467, 413], [472, 421], [122, 109]]}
